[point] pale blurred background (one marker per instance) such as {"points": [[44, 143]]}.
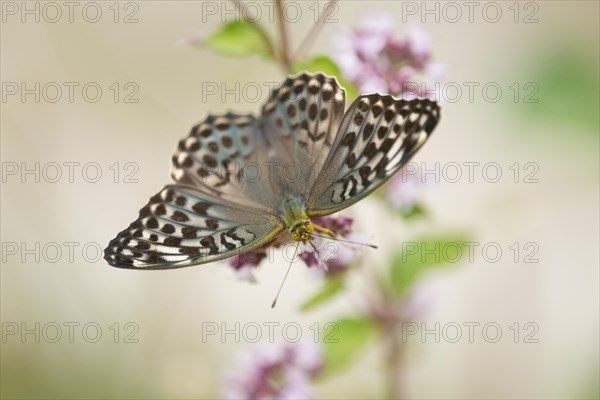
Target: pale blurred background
{"points": [[560, 213]]}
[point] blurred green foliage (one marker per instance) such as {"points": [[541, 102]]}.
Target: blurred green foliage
{"points": [[424, 255], [569, 88], [242, 38], [331, 287], [239, 38], [344, 340], [416, 211]]}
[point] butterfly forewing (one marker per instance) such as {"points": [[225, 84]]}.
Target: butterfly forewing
{"points": [[181, 226], [378, 135], [300, 121]]}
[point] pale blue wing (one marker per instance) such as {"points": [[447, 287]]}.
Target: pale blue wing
{"points": [[378, 135]]}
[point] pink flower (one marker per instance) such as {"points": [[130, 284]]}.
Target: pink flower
{"points": [[404, 190], [191, 39], [375, 61], [341, 226], [275, 371], [332, 256], [245, 263]]}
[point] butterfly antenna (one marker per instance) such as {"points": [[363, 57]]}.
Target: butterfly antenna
{"points": [[346, 241], [285, 277], [318, 255]]}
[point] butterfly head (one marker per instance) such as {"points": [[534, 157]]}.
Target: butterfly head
{"points": [[302, 230]]}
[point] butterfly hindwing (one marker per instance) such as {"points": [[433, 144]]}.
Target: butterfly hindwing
{"points": [[181, 226], [218, 155], [378, 135]]}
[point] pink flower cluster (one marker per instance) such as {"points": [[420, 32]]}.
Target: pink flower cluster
{"points": [[376, 62], [245, 263], [404, 190], [332, 256], [275, 371]]}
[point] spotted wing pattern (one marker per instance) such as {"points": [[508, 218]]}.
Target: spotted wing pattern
{"points": [[377, 136], [300, 121], [181, 226], [215, 211], [214, 157]]}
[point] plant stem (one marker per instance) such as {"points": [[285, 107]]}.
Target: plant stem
{"points": [[310, 37], [284, 48], [393, 363], [388, 315]]}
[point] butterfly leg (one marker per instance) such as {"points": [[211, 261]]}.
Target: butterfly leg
{"points": [[278, 240], [325, 231]]}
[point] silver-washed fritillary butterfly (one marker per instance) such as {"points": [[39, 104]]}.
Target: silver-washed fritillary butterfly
{"points": [[240, 180]]}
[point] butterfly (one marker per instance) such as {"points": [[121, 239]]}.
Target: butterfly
{"points": [[241, 180]]}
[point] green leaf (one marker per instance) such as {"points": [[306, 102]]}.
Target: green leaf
{"points": [[414, 212], [330, 288], [419, 256], [318, 63], [343, 340], [239, 38], [326, 65]]}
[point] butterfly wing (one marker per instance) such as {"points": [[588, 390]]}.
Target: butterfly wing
{"points": [[299, 122], [213, 211], [222, 156], [181, 226], [378, 135]]}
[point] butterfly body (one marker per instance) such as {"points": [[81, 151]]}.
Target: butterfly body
{"points": [[295, 219], [307, 157]]}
